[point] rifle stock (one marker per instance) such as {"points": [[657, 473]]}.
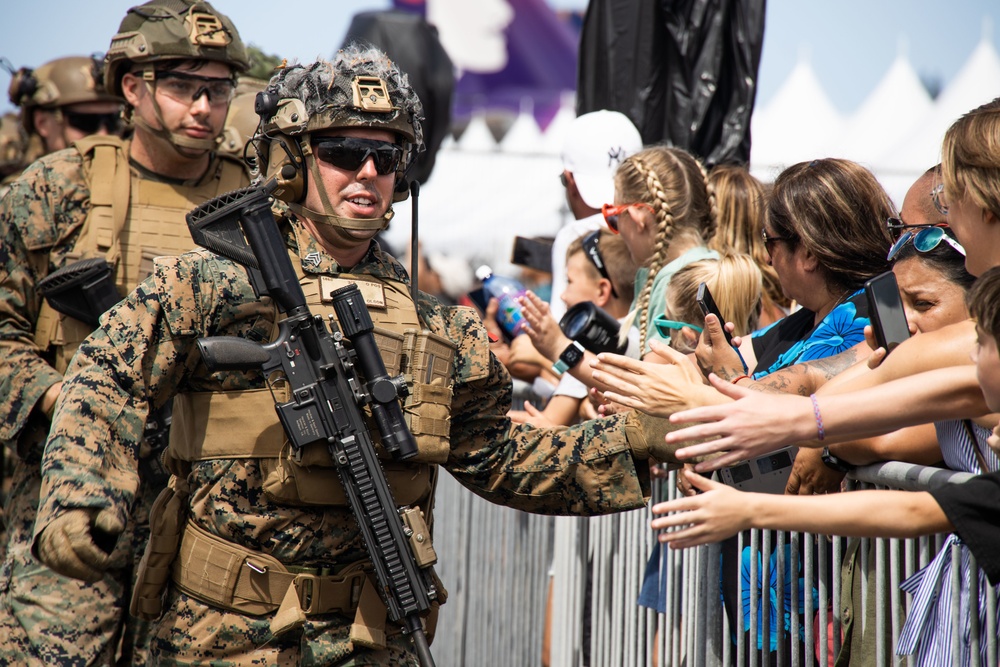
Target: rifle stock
{"points": [[328, 393]]}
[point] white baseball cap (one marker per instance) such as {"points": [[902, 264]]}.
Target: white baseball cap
{"points": [[596, 145]]}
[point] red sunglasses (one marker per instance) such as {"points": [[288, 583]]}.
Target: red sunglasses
{"points": [[611, 213]]}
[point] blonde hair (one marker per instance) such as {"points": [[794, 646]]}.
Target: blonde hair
{"points": [[676, 185], [970, 157], [735, 283], [742, 204]]}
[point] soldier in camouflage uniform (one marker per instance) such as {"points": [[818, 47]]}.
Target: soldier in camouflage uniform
{"points": [[63, 101], [246, 528], [123, 202], [13, 142]]}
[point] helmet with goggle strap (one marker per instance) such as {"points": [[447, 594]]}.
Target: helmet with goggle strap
{"points": [[360, 88], [160, 31]]}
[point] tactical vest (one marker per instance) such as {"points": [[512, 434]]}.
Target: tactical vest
{"points": [[244, 424], [131, 221]]}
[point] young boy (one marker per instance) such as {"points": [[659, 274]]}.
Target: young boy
{"points": [[598, 269]]}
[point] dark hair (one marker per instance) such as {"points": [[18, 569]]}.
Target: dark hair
{"points": [[984, 302], [942, 258], [836, 209]]}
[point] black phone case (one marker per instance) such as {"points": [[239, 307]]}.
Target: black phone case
{"points": [[885, 310]]}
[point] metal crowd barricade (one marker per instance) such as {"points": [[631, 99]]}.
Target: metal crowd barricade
{"points": [[498, 565]]}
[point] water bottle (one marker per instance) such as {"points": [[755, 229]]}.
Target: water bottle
{"points": [[506, 291]]}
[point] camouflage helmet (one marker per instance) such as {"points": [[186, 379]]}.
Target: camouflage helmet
{"points": [[58, 83], [361, 87], [13, 143], [172, 30]]}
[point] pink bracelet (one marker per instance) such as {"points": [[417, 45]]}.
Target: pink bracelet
{"points": [[819, 417]]}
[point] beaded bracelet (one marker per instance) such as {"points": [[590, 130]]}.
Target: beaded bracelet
{"points": [[819, 418], [742, 377]]}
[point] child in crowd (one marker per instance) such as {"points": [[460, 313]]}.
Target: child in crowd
{"points": [[598, 270]]}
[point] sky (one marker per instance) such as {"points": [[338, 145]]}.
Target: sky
{"points": [[849, 43]]}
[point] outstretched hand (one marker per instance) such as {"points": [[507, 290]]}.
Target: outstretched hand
{"points": [[542, 328], [658, 389], [531, 415], [754, 424], [714, 514]]}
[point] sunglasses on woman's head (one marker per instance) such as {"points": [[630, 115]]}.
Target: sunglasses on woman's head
{"points": [[612, 212], [924, 240], [352, 152]]}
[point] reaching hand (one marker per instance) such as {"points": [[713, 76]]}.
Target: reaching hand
{"points": [[810, 476], [658, 389], [713, 515], [715, 354], [78, 543], [542, 328], [756, 423], [531, 415]]}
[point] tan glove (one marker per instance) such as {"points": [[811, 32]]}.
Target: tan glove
{"points": [[646, 436], [79, 543]]}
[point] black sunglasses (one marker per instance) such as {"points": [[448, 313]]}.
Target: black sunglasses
{"points": [[92, 122], [590, 243], [351, 152], [769, 240]]}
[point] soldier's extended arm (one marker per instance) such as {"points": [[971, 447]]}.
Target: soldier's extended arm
{"points": [[327, 395]]}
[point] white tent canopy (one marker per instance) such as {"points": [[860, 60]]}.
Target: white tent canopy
{"points": [[482, 193]]}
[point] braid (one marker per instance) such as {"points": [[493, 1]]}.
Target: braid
{"points": [[713, 204], [664, 230]]}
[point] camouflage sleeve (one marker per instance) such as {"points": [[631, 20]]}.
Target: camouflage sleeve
{"points": [[43, 206], [144, 353], [588, 469]]}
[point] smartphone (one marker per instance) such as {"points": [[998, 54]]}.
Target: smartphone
{"points": [[885, 309], [708, 306]]}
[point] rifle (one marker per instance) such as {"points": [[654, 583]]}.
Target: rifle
{"points": [[327, 392], [82, 290]]}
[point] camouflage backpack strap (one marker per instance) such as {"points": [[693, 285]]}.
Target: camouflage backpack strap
{"points": [[109, 180]]}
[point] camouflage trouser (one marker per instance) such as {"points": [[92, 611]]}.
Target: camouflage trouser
{"points": [[48, 619], [193, 633]]}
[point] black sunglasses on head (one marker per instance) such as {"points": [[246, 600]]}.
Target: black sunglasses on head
{"points": [[590, 247], [351, 152], [92, 122]]}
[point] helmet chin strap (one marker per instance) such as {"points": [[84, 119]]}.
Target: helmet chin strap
{"points": [[336, 221], [176, 141]]}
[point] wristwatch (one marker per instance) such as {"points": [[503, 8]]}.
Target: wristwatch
{"points": [[569, 358], [834, 463]]}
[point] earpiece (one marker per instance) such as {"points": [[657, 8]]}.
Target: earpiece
{"points": [[288, 169], [23, 85]]}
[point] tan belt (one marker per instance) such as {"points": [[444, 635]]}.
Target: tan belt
{"points": [[227, 575]]}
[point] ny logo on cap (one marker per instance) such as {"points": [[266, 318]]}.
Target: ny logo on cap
{"points": [[616, 155]]}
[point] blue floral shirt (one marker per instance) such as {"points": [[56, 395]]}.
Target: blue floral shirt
{"points": [[793, 339]]}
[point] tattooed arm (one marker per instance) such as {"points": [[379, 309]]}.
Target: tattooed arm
{"points": [[806, 378]]}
